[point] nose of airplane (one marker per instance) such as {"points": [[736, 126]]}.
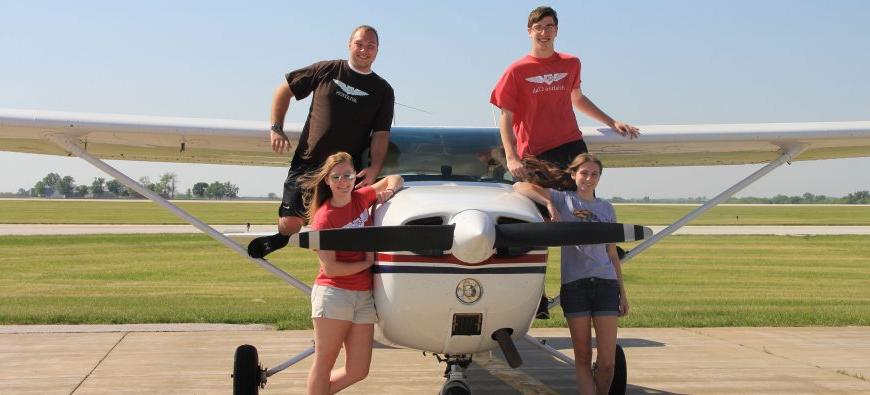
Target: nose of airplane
{"points": [[473, 237]]}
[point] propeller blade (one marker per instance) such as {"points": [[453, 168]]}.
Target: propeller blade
{"points": [[566, 233], [380, 238]]}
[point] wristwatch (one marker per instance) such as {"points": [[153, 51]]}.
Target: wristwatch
{"points": [[277, 128]]}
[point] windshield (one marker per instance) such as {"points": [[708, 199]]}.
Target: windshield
{"points": [[457, 152]]}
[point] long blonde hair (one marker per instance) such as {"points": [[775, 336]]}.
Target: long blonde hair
{"points": [[314, 184]]}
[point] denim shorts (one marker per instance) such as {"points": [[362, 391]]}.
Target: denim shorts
{"points": [[590, 296], [343, 304]]}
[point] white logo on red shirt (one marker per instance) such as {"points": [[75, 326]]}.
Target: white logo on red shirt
{"points": [[547, 78], [359, 222]]}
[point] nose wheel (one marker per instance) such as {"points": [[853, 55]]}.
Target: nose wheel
{"points": [[457, 382]]}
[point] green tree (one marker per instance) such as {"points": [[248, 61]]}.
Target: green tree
{"points": [[39, 189], [51, 179], [115, 186], [199, 189], [98, 186], [66, 186], [859, 197], [231, 190], [167, 185], [80, 191], [216, 190]]}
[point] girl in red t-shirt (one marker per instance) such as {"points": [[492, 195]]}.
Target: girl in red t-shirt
{"points": [[342, 305]]}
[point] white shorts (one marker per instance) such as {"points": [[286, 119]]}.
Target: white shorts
{"points": [[343, 304]]}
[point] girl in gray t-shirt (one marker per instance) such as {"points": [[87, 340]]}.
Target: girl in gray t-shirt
{"points": [[592, 291]]}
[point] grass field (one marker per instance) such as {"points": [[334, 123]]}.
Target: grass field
{"points": [[685, 281], [142, 212]]}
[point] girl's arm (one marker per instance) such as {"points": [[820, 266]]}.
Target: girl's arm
{"points": [[386, 187], [617, 264], [334, 268], [539, 195]]}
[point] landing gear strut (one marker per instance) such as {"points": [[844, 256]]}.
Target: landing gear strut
{"points": [[457, 383]]}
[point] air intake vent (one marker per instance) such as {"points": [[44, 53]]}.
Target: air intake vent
{"points": [[467, 324]]}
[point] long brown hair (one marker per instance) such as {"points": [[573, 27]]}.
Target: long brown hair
{"points": [[548, 175], [314, 184]]}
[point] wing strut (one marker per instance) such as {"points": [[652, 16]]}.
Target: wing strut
{"points": [[789, 152], [69, 144]]}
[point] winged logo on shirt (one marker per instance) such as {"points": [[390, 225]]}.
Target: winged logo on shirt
{"points": [[349, 89], [547, 78]]}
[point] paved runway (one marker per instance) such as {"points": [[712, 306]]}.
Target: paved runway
{"points": [[194, 359]]}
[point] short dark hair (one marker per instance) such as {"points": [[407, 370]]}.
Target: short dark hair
{"points": [[540, 13], [368, 29]]}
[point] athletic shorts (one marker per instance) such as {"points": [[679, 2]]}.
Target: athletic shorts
{"points": [[343, 304], [292, 204], [564, 154], [590, 296]]}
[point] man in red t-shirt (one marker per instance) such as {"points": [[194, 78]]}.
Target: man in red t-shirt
{"points": [[537, 95]]}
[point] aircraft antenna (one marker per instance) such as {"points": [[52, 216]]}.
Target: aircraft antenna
{"points": [[413, 108]]}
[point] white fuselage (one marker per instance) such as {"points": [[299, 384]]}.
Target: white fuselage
{"points": [[419, 295]]}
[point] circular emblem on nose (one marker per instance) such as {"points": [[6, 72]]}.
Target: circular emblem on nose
{"points": [[469, 291]]}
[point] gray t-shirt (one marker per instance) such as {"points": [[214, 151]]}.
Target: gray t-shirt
{"points": [[590, 260]]}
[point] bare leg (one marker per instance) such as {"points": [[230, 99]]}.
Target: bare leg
{"points": [[329, 334], [605, 340], [357, 357], [581, 338], [289, 226]]}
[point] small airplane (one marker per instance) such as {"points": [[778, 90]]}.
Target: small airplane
{"points": [[460, 257]]}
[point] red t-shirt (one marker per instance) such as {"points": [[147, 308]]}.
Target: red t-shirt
{"points": [[352, 215], [538, 93]]}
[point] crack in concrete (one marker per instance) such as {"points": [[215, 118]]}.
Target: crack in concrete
{"points": [[100, 362]]}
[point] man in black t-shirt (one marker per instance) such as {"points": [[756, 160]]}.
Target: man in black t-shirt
{"points": [[351, 110]]}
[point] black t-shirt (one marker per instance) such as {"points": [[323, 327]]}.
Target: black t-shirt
{"points": [[346, 108]]}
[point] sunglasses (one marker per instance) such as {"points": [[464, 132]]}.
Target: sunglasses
{"points": [[346, 177]]}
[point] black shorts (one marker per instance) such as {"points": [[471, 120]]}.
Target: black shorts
{"points": [[292, 204], [590, 296], [564, 154]]}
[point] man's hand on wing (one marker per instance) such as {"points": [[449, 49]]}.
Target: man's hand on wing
{"points": [[625, 130]]}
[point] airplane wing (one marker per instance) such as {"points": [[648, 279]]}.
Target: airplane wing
{"points": [[466, 151]]}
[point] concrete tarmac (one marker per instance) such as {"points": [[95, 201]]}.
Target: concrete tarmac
{"points": [[196, 359]]}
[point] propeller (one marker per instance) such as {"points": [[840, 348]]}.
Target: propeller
{"points": [[551, 234], [469, 231], [380, 238]]}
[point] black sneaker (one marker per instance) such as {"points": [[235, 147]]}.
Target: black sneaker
{"points": [[543, 309], [262, 246]]}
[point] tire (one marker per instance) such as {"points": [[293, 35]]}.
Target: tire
{"points": [[620, 373], [246, 371], [455, 387]]}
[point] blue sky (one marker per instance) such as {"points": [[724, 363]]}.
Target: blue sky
{"points": [[663, 62]]}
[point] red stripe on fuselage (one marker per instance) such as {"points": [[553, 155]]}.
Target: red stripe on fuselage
{"points": [[449, 258]]}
